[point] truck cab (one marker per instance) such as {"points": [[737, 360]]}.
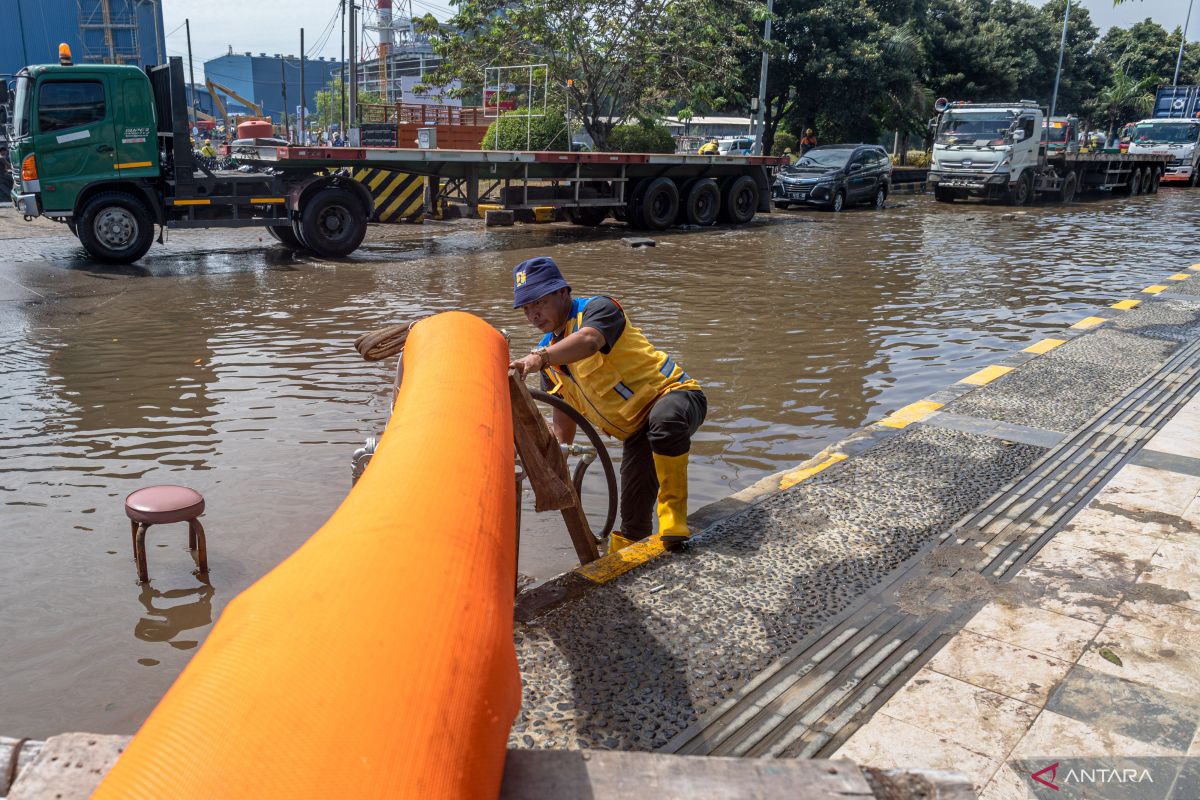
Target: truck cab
{"points": [[987, 150], [1177, 138], [1061, 134]]}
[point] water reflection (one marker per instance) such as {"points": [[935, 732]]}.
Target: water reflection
{"points": [[183, 610]]}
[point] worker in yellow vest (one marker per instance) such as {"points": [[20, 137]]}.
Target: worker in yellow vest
{"points": [[600, 363], [709, 148]]}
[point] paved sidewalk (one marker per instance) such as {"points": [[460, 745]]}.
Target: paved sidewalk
{"points": [[1093, 651]]}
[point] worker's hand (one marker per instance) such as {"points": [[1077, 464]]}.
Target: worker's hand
{"points": [[525, 366]]}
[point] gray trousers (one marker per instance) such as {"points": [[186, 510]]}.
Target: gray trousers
{"points": [[668, 431]]}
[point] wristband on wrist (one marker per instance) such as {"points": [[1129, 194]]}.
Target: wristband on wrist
{"points": [[540, 352]]}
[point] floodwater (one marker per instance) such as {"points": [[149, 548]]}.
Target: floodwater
{"points": [[224, 363]]}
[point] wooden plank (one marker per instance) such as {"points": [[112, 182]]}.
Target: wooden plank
{"points": [[609, 775], [69, 767], [546, 469]]}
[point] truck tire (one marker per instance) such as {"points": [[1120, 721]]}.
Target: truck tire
{"points": [[633, 206], [116, 228], [333, 223], [703, 203], [739, 200], [591, 216], [1069, 188], [1194, 178], [659, 204], [286, 236], [943, 195], [1133, 186], [1022, 193], [1155, 180]]}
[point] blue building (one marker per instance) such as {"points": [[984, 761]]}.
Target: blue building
{"points": [[260, 79], [98, 31]]}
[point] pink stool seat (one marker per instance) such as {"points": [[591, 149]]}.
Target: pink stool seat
{"points": [[156, 505]]}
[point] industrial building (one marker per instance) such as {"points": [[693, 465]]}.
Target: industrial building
{"points": [[98, 31], [260, 78]]}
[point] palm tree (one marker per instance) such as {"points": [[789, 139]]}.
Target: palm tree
{"points": [[1125, 97]]}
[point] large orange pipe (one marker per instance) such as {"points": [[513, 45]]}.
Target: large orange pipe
{"points": [[377, 661]]}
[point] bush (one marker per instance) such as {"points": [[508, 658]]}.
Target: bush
{"points": [[644, 137], [545, 133], [784, 141], [916, 159]]}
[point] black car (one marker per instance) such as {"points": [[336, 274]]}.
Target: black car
{"points": [[834, 176]]}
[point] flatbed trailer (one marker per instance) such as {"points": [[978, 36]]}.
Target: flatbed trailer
{"points": [[105, 148]]}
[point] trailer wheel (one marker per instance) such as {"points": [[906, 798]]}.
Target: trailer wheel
{"points": [[590, 216], [739, 200], [1194, 178], [703, 203], [660, 204], [1134, 187], [943, 195], [116, 228], [286, 236], [1155, 180], [1070, 186], [1022, 193], [333, 223], [633, 206]]}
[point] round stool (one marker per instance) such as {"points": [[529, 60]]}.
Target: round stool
{"points": [[157, 505]]}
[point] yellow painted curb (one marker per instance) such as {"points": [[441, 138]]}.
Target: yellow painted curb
{"points": [[986, 375], [1044, 346], [1179, 276], [544, 213], [1154, 289], [914, 412], [1089, 322], [486, 207], [613, 565], [792, 478], [1125, 305]]}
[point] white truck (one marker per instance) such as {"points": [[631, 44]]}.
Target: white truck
{"points": [[997, 151], [1173, 131]]}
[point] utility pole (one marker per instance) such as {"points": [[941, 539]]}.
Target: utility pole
{"points": [[1062, 48], [342, 80], [352, 122], [187, 23], [287, 131], [1182, 41], [762, 84], [303, 128]]}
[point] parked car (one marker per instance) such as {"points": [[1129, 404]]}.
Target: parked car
{"points": [[835, 176], [735, 146]]}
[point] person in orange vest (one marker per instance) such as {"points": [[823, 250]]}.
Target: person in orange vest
{"points": [[808, 141], [594, 357]]}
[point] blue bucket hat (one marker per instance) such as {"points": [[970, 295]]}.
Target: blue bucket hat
{"points": [[534, 279]]}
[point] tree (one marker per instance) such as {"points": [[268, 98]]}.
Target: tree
{"points": [[521, 132], [1126, 98], [330, 102], [626, 57]]}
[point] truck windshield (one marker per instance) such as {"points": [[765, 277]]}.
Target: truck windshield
{"points": [[1164, 132], [973, 128], [20, 121], [1055, 134]]}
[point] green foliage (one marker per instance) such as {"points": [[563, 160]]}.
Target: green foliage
{"points": [[1126, 98], [644, 137], [331, 98], [539, 133], [784, 141]]}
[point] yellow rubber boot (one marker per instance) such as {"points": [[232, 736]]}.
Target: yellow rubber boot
{"points": [[672, 499], [618, 542]]}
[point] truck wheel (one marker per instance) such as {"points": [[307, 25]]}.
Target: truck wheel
{"points": [[285, 236], [1022, 193], [590, 216], [1155, 180], [1195, 177], [703, 203], [116, 228], [633, 206], [943, 195], [739, 200], [1134, 187], [333, 223], [1070, 186], [660, 204]]}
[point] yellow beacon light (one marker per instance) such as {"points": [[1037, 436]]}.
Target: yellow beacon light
{"points": [[64, 54]]}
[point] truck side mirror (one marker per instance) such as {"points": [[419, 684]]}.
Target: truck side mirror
{"points": [[1018, 135]]}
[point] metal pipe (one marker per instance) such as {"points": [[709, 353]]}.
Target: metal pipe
{"points": [[1182, 40], [762, 84], [187, 23], [1062, 46], [303, 137], [287, 131]]}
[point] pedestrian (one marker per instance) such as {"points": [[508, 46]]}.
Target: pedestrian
{"points": [[602, 365], [808, 141], [787, 151], [710, 148], [337, 140], [207, 151]]}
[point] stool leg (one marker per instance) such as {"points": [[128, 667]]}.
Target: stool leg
{"points": [[191, 534], [196, 534], [133, 532], [139, 552]]}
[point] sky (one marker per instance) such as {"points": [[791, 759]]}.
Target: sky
{"points": [[273, 26]]}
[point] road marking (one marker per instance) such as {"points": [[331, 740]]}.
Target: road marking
{"points": [[1089, 322], [1195, 267], [1125, 305], [613, 565], [986, 375], [1044, 346], [1154, 289], [792, 478], [914, 412], [1179, 276]]}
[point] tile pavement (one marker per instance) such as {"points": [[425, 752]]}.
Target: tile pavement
{"points": [[1093, 652]]}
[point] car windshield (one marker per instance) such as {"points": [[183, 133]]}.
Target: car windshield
{"points": [[972, 128], [20, 122], [825, 159], [1168, 133]]}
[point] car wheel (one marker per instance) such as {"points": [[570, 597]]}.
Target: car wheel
{"points": [[116, 227], [880, 198], [839, 201]]}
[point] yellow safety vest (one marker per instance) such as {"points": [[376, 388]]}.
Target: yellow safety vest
{"points": [[616, 391]]}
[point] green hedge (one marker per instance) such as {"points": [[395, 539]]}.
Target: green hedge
{"points": [[545, 133], [640, 138]]}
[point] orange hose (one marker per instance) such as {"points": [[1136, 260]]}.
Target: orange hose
{"points": [[376, 661]]}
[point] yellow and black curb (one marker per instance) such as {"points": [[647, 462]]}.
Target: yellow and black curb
{"points": [[607, 568], [399, 196]]}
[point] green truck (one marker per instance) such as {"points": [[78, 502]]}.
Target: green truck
{"points": [[106, 150]]}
